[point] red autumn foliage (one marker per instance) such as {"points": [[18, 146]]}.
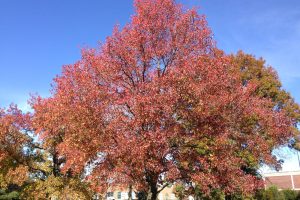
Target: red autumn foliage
{"points": [[13, 159], [158, 103], [12, 121]]}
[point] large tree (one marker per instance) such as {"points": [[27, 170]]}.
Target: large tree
{"points": [[158, 103]]}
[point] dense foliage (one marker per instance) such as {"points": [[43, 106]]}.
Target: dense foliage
{"points": [[156, 104], [31, 169]]}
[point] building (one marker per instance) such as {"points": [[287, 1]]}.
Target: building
{"points": [[165, 194], [283, 180]]}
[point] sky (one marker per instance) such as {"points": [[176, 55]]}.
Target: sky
{"points": [[38, 37]]}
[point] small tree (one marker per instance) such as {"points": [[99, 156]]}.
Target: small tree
{"points": [[16, 157], [28, 169]]}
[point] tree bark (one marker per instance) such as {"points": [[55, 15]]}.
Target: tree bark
{"points": [[130, 192], [153, 193], [55, 170]]}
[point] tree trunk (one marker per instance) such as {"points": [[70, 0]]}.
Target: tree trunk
{"points": [[130, 192], [55, 170], [153, 193]]}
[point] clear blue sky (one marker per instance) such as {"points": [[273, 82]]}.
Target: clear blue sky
{"points": [[37, 37]]}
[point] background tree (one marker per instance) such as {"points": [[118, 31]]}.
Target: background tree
{"points": [[28, 169], [268, 85], [56, 184], [16, 157], [158, 103]]}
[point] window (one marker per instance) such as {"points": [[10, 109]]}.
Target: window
{"points": [[119, 195], [110, 194]]}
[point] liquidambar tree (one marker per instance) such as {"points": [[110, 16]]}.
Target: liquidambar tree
{"points": [[158, 103]]}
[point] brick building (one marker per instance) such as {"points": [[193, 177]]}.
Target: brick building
{"points": [[283, 180]]}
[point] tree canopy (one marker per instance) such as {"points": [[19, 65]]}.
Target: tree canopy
{"points": [[156, 104], [159, 103]]}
